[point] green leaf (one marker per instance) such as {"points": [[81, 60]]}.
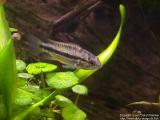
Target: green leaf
{"points": [[25, 75], [21, 82], [20, 65], [72, 112], [40, 94], [7, 65], [62, 101], [106, 54], [80, 89], [37, 68], [2, 111], [47, 113], [61, 80], [23, 97], [31, 88], [42, 102], [36, 114], [13, 29]]}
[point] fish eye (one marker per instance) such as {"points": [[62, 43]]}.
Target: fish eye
{"points": [[92, 62]]}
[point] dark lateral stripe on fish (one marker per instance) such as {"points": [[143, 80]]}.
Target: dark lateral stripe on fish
{"points": [[47, 47], [68, 47]]}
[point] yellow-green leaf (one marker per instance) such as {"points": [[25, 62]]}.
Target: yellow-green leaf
{"points": [[62, 80]]}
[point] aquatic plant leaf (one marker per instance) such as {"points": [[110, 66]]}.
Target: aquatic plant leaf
{"points": [[144, 104], [106, 54], [2, 111], [25, 75], [23, 97], [21, 82], [7, 65], [40, 94], [20, 65], [36, 114], [23, 114], [37, 68], [13, 29], [31, 88], [72, 112], [5, 34], [61, 80], [80, 89], [48, 114], [62, 101]]}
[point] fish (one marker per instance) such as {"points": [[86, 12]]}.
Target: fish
{"points": [[70, 54]]}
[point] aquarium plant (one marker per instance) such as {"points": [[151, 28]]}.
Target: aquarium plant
{"points": [[35, 91]]}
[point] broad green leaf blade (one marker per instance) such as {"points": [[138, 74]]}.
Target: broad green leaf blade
{"points": [[5, 34], [20, 65], [37, 68], [72, 112], [108, 52], [2, 111], [62, 80], [7, 65], [8, 75], [62, 101], [80, 89]]}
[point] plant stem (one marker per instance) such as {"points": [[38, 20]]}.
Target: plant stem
{"points": [[43, 83], [77, 98]]}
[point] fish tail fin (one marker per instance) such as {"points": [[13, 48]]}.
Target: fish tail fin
{"points": [[33, 44]]}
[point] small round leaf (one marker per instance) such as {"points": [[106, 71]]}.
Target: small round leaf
{"points": [[31, 88], [20, 65], [25, 75], [21, 82], [23, 97], [62, 101], [72, 112], [40, 94], [80, 89], [62, 80], [37, 68]]}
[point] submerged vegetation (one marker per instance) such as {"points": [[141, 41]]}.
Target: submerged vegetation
{"points": [[35, 91]]}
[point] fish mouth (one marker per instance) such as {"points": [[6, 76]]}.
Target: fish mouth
{"points": [[97, 66]]}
